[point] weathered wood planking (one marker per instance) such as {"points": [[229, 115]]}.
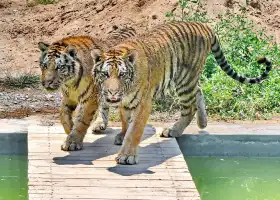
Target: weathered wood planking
{"points": [[93, 174]]}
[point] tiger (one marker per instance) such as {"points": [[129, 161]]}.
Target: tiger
{"points": [[66, 65], [170, 57], [102, 119], [116, 35]]}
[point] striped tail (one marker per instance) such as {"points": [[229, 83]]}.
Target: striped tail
{"points": [[221, 60]]}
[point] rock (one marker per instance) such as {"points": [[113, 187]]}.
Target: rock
{"points": [[154, 16], [49, 96], [114, 2], [115, 27], [140, 3], [255, 4], [99, 8]]}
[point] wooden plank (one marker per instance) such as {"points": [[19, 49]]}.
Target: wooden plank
{"points": [[110, 150], [111, 165], [87, 170], [43, 177], [92, 173], [97, 158], [95, 197], [71, 190], [105, 183]]}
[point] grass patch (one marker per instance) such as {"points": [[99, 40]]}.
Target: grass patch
{"points": [[21, 81], [44, 2], [31, 3], [114, 115], [242, 43]]}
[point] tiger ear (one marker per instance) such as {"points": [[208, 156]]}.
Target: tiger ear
{"points": [[71, 51], [96, 55], [43, 46], [131, 56]]}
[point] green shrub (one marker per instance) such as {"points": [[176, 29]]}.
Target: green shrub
{"points": [[46, 1], [21, 81], [31, 3], [190, 10], [242, 44]]}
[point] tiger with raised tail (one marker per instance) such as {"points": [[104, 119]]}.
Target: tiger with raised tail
{"points": [[66, 65], [170, 57]]}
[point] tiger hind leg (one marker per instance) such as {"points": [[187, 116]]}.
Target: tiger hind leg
{"points": [[177, 129], [188, 110], [101, 121], [201, 115]]}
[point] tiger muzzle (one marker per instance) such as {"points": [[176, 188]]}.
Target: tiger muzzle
{"points": [[50, 86], [113, 97]]}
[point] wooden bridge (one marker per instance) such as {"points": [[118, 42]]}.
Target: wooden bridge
{"points": [[92, 173]]}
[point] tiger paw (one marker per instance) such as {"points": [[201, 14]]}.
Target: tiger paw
{"points": [[72, 143], [124, 159], [168, 132], [98, 127], [119, 139]]}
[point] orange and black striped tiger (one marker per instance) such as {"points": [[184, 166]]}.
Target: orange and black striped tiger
{"points": [[66, 65], [170, 57]]}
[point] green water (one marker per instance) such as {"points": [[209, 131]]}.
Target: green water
{"points": [[236, 178], [13, 177]]}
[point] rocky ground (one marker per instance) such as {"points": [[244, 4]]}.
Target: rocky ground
{"points": [[18, 104], [24, 23]]}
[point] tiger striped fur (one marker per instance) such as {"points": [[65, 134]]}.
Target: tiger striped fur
{"points": [[122, 34], [169, 57], [116, 36], [66, 65]]}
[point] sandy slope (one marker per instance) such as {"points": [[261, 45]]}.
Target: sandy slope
{"points": [[21, 27]]}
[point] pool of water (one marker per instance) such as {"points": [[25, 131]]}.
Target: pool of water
{"points": [[236, 178], [13, 177]]}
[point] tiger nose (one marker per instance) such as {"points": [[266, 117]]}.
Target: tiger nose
{"points": [[46, 84], [113, 92]]}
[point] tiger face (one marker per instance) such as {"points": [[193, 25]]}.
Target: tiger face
{"points": [[114, 72], [57, 63]]}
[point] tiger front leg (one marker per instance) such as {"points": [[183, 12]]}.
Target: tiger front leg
{"points": [[128, 152], [86, 111], [101, 121], [66, 110], [125, 115]]}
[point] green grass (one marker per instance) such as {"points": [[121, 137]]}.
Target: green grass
{"points": [[46, 1], [21, 81], [36, 2], [242, 43]]}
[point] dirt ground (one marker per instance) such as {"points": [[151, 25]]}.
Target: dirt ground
{"points": [[23, 25]]}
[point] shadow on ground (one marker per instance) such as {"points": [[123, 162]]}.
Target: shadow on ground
{"points": [[149, 156]]}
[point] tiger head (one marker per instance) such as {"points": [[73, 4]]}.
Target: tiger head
{"points": [[114, 73], [58, 64]]}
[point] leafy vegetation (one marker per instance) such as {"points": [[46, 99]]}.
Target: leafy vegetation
{"points": [[31, 3], [21, 81], [242, 44], [46, 1]]}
